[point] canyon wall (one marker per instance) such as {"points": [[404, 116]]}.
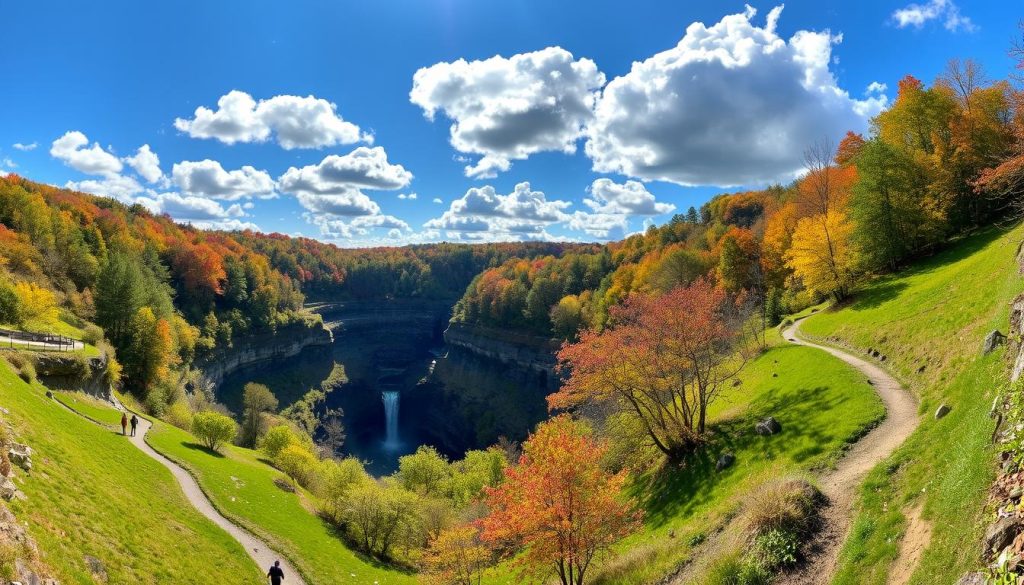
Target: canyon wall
{"points": [[524, 352], [253, 350]]}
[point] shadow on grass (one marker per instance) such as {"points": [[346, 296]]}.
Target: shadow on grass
{"points": [[678, 491], [203, 449]]}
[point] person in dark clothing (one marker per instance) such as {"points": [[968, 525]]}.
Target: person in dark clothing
{"points": [[276, 575], [124, 424], [135, 423]]}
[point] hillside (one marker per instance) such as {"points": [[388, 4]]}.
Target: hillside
{"points": [[929, 323]]}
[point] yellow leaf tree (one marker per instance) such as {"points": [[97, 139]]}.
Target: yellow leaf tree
{"points": [[823, 255], [37, 306]]}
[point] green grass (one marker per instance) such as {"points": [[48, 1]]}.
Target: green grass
{"points": [[241, 485], [98, 410], [93, 493], [929, 322], [61, 327], [822, 404]]}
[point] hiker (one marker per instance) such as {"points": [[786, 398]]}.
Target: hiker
{"points": [[124, 424], [276, 575], [135, 423]]}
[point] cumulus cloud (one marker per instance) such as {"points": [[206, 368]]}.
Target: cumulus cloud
{"points": [[506, 109], [407, 196], [25, 147], [209, 179], [916, 15], [438, 200], [296, 122], [629, 198], [337, 229], [190, 208], [522, 214], [605, 226], [120, 187], [364, 167], [146, 163], [72, 148], [730, 104]]}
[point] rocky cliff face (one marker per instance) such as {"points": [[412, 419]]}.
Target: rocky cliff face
{"points": [[1016, 335], [287, 342], [69, 371], [418, 317], [524, 352]]}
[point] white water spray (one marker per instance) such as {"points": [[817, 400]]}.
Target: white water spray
{"points": [[391, 401]]}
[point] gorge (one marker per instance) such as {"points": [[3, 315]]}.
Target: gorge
{"points": [[411, 378]]}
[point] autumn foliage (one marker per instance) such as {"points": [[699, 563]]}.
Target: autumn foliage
{"points": [[664, 360], [558, 505]]}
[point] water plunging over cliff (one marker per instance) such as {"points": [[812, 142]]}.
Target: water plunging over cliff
{"points": [[392, 399]]}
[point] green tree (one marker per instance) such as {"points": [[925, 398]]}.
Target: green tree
{"points": [[213, 429], [257, 401], [276, 439], [424, 472]]}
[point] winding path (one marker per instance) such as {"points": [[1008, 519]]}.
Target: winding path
{"points": [[840, 485], [258, 550]]}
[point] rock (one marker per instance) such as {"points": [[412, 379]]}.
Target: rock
{"points": [[736, 382], [21, 455], [881, 358], [768, 426], [1002, 533], [942, 411], [972, 579], [1016, 493], [284, 484], [993, 340], [920, 370], [726, 460], [9, 491], [774, 375], [96, 568]]}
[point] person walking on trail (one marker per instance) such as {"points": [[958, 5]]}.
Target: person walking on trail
{"points": [[275, 574], [135, 423], [124, 424]]}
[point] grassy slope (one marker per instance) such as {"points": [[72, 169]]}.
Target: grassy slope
{"points": [[241, 485], [934, 316], [93, 493], [822, 405]]}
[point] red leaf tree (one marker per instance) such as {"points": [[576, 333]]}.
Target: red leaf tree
{"points": [[664, 360], [558, 505]]}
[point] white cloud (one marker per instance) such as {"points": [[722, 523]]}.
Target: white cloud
{"points": [[296, 122], [876, 87], [25, 147], [208, 178], [731, 104], [351, 203], [629, 198], [337, 229], [190, 208], [506, 109], [407, 196], [93, 160], [916, 15], [7, 162], [364, 167], [146, 163], [438, 200], [521, 214], [120, 187], [606, 226]]}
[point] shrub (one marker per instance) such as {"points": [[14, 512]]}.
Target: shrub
{"points": [[213, 429], [10, 311], [337, 480], [276, 439], [27, 372], [180, 415], [776, 548], [298, 463], [92, 334]]}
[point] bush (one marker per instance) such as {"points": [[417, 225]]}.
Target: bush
{"points": [[10, 311], [213, 429], [734, 570], [298, 463], [92, 334], [23, 365], [776, 548], [276, 439], [180, 415]]}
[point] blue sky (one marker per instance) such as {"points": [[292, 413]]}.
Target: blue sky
{"points": [[707, 109]]}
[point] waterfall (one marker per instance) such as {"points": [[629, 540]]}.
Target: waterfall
{"points": [[391, 400]]}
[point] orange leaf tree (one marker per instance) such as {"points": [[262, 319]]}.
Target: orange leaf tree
{"points": [[664, 360], [558, 504]]}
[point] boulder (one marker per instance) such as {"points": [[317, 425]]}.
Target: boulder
{"points": [[972, 579], [1000, 534], [21, 455], [96, 567], [9, 491], [726, 460], [942, 411], [993, 340], [768, 426]]}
